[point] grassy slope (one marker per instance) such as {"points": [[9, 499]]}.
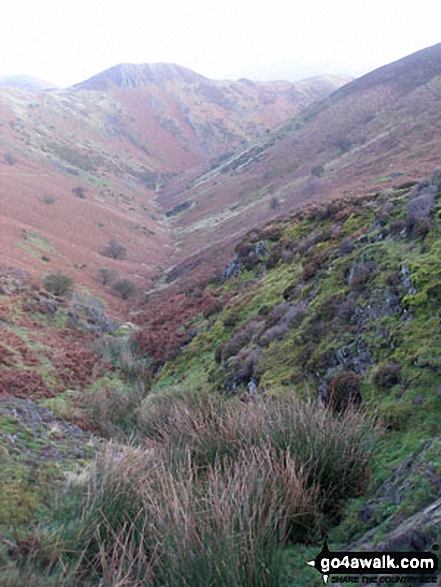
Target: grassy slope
{"points": [[47, 363], [352, 286]]}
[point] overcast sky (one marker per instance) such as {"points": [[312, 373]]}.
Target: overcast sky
{"points": [[68, 41]]}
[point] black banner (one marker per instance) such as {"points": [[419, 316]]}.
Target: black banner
{"points": [[374, 563]]}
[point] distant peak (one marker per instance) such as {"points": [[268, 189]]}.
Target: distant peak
{"points": [[127, 75], [25, 82]]}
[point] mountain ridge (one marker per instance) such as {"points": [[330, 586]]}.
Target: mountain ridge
{"points": [[129, 75], [82, 167], [363, 136], [27, 82], [201, 161]]}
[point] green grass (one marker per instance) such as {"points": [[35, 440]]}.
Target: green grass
{"points": [[35, 244], [291, 470]]}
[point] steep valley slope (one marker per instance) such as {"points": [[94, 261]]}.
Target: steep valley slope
{"points": [[274, 267], [379, 131], [80, 167], [337, 304]]}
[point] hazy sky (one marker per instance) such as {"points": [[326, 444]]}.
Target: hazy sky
{"points": [[67, 41]]}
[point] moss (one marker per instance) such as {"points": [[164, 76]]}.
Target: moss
{"points": [[295, 571]]}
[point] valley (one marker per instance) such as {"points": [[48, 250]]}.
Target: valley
{"points": [[219, 325], [85, 165]]}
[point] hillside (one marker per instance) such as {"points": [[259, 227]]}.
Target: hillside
{"points": [[339, 302], [279, 379], [378, 131], [80, 167], [326, 320]]}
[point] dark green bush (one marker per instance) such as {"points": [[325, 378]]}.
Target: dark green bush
{"points": [[114, 250], [48, 199], [106, 275], [274, 204], [80, 192], [124, 288], [58, 284], [10, 159]]}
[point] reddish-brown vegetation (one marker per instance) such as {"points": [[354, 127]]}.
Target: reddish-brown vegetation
{"points": [[37, 358], [23, 383], [165, 323]]}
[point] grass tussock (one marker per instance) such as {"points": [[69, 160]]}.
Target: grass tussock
{"points": [[211, 497]]}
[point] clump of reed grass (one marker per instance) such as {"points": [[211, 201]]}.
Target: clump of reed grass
{"points": [[212, 495]]}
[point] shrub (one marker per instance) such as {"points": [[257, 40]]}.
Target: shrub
{"points": [[362, 274], [216, 307], [218, 354], [274, 333], [386, 375], [241, 338], [293, 290], [396, 227], [209, 430], [434, 294], [10, 159], [48, 199], [418, 212], [274, 204], [123, 353], [80, 192], [232, 531], [422, 227], [110, 411], [212, 497], [58, 284], [231, 319], [100, 510], [106, 275], [114, 250], [392, 279], [343, 391], [312, 185], [315, 331], [124, 288], [346, 310], [347, 245], [313, 265], [344, 144], [318, 171], [274, 314]]}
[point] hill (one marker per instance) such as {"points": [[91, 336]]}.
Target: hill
{"points": [[80, 167], [378, 131], [305, 379], [338, 303], [279, 379], [26, 82]]}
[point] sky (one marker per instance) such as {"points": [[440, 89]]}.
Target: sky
{"points": [[67, 41]]}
